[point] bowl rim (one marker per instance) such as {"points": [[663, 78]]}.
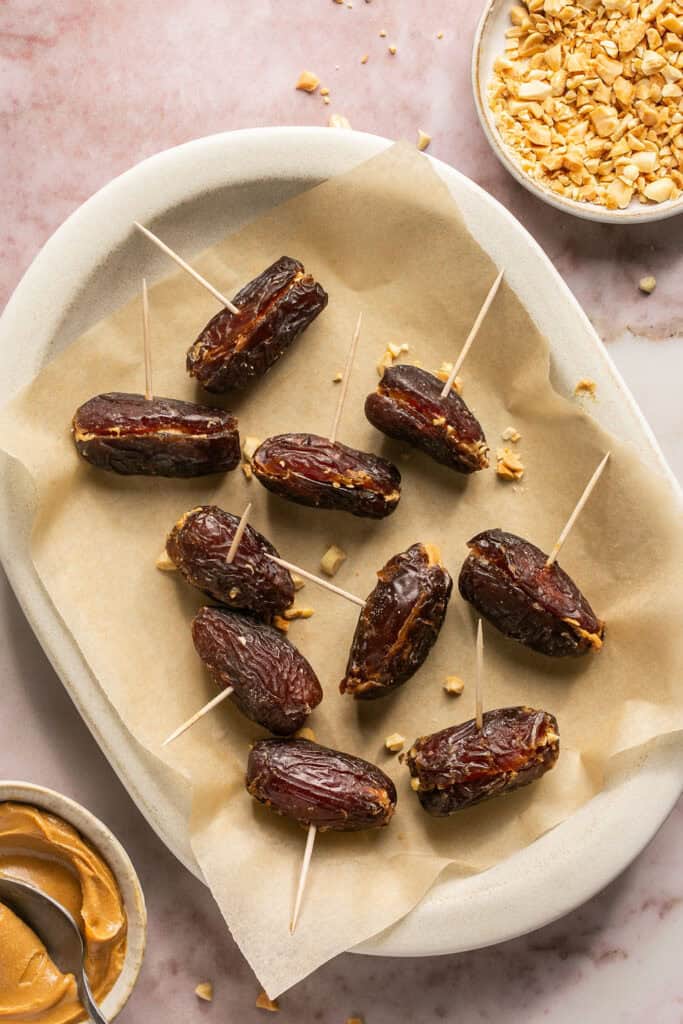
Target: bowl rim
{"points": [[95, 832], [635, 213]]}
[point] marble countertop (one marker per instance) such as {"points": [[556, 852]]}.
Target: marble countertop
{"points": [[90, 89]]}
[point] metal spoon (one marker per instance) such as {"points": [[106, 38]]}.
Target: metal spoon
{"points": [[55, 926]]}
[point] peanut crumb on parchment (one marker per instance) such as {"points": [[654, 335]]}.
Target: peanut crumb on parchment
{"points": [[510, 465], [204, 991], [264, 1003], [454, 685], [307, 82], [586, 386], [647, 284]]}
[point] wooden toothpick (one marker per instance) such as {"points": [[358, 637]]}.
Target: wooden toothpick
{"points": [[146, 341], [345, 380], [472, 335], [197, 715], [187, 268], [239, 533], [577, 511], [479, 679], [308, 853], [317, 579]]}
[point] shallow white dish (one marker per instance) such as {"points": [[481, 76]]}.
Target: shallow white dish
{"points": [[92, 829], [191, 196], [489, 43]]}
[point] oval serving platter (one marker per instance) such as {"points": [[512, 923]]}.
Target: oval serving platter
{"points": [[195, 194]]}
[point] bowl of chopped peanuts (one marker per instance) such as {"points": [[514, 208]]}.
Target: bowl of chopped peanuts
{"points": [[583, 102]]}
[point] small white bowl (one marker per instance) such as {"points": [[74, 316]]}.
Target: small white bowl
{"points": [[489, 43], [92, 829]]}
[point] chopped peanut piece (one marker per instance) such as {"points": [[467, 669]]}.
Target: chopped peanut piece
{"points": [[307, 82], [164, 563], [586, 386], [392, 50], [364, 58], [332, 560], [510, 434], [646, 285], [510, 466], [204, 991], [298, 581], [297, 613], [587, 98], [305, 733], [395, 742], [423, 139], [264, 1003], [415, 784], [444, 372], [338, 377], [338, 121], [249, 446], [281, 624], [454, 685], [397, 350], [247, 470]]}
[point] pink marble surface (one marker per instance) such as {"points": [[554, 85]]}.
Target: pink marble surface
{"points": [[89, 88]]}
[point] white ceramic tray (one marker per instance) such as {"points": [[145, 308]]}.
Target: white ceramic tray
{"points": [[193, 195]]}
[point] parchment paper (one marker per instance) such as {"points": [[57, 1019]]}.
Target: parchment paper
{"points": [[388, 239]]}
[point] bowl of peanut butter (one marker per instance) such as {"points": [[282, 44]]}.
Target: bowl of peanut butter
{"points": [[65, 851]]}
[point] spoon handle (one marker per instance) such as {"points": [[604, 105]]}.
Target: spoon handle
{"points": [[88, 1001]]}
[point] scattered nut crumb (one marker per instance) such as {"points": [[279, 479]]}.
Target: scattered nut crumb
{"points": [[338, 121], [364, 58], [392, 50], [204, 991], [164, 563], [326, 100], [444, 372], [454, 685], [423, 140], [324, 91], [247, 470], [439, 35], [510, 434], [297, 613], [262, 1000], [397, 350], [390, 353], [249, 446], [395, 742], [332, 560], [305, 733], [415, 784], [510, 466], [281, 624], [307, 82], [298, 581], [586, 386], [647, 284], [383, 33], [338, 377]]}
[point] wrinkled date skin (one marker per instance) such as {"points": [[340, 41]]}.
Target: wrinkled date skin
{"points": [[319, 786], [312, 470], [508, 582], [461, 766], [133, 435], [272, 682], [407, 405], [236, 348], [399, 623], [198, 546]]}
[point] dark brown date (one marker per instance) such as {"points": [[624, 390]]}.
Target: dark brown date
{"points": [[461, 766], [408, 405], [274, 309], [272, 682], [508, 582], [312, 470], [319, 786], [399, 623], [198, 546], [133, 435]]}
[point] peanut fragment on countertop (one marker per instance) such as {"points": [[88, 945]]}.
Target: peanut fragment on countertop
{"points": [[588, 98], [647, 284], [249, 446], [454, 685], [510, 465], [264, 1003], [204, 991], [164, 563], [395, 742], [307, 81], [297, 613], [332, 560], [423, 139], [510, 434]]}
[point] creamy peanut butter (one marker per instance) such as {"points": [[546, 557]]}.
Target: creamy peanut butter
{"points": [[42, 849]]}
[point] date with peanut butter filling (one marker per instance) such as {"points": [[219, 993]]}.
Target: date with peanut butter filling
{"points": [[132, 435], [462, 766], [42, 849], [319, 786], [507, 580], [274, 309], [312, 470], [399, 623], [408, 406]]}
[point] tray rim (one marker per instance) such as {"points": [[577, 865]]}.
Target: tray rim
{"points": [[302, 151]]}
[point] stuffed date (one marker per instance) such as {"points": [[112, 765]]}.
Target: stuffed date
{"points": [[236, 348], [133, 435], [198, 546], [408, 406], [398, 624], [314, 471], [272, 682], [507, 580], [319, 786], [461, 766]]}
